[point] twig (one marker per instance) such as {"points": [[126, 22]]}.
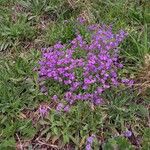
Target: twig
{"points": [[21, 146], [50, 145]]}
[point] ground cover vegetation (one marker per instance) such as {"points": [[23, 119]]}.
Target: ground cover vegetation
{"points": [[74, 74]]}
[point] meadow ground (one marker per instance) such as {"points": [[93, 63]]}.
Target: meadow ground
{"points": [[31, 115]]}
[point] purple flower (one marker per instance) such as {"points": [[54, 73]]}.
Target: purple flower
{"points": [[43, 110], [81, 20], [125, 80], [58, 46], [89, 142], [79, 96], [60, 107], [43, 89], [68, 95], [67, 108], [127, 133], [55, 97], [88, 147], [98, 101], [93, 27], [120, 65], [99, 90], [130, 83]]}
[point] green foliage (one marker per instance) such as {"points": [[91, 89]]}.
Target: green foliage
{"points": [[118, 143], [19, 89], [55, 9], [111, 119], [60, 32], [17, 84], [74, 126], [146, 139], [14, 32], [36, 7], [132, 16], [137, 44], [8, 144]]}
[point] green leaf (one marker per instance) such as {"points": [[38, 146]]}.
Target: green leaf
{"points": [[74, 140], [65, 138], [8, 144], [143, 110]]}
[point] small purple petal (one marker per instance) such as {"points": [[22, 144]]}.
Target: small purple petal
{"points": [[127, 133], [67, 108], [88, 147], [55, 97], [59, 107], [43, 110]]}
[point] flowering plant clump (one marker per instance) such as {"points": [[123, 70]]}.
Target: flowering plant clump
{"points": [[86, 68]]}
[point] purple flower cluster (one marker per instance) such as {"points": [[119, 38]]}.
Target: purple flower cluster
{"points": [[86, 68], [61, 107]]}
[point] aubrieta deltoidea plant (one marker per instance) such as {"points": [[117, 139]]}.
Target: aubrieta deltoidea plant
{"points": [[87, 68]]}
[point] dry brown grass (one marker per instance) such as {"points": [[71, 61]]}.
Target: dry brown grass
{"points": [[144, 74], [85, 8]]}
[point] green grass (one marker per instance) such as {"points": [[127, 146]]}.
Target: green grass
{"points": [[28, 25]]}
